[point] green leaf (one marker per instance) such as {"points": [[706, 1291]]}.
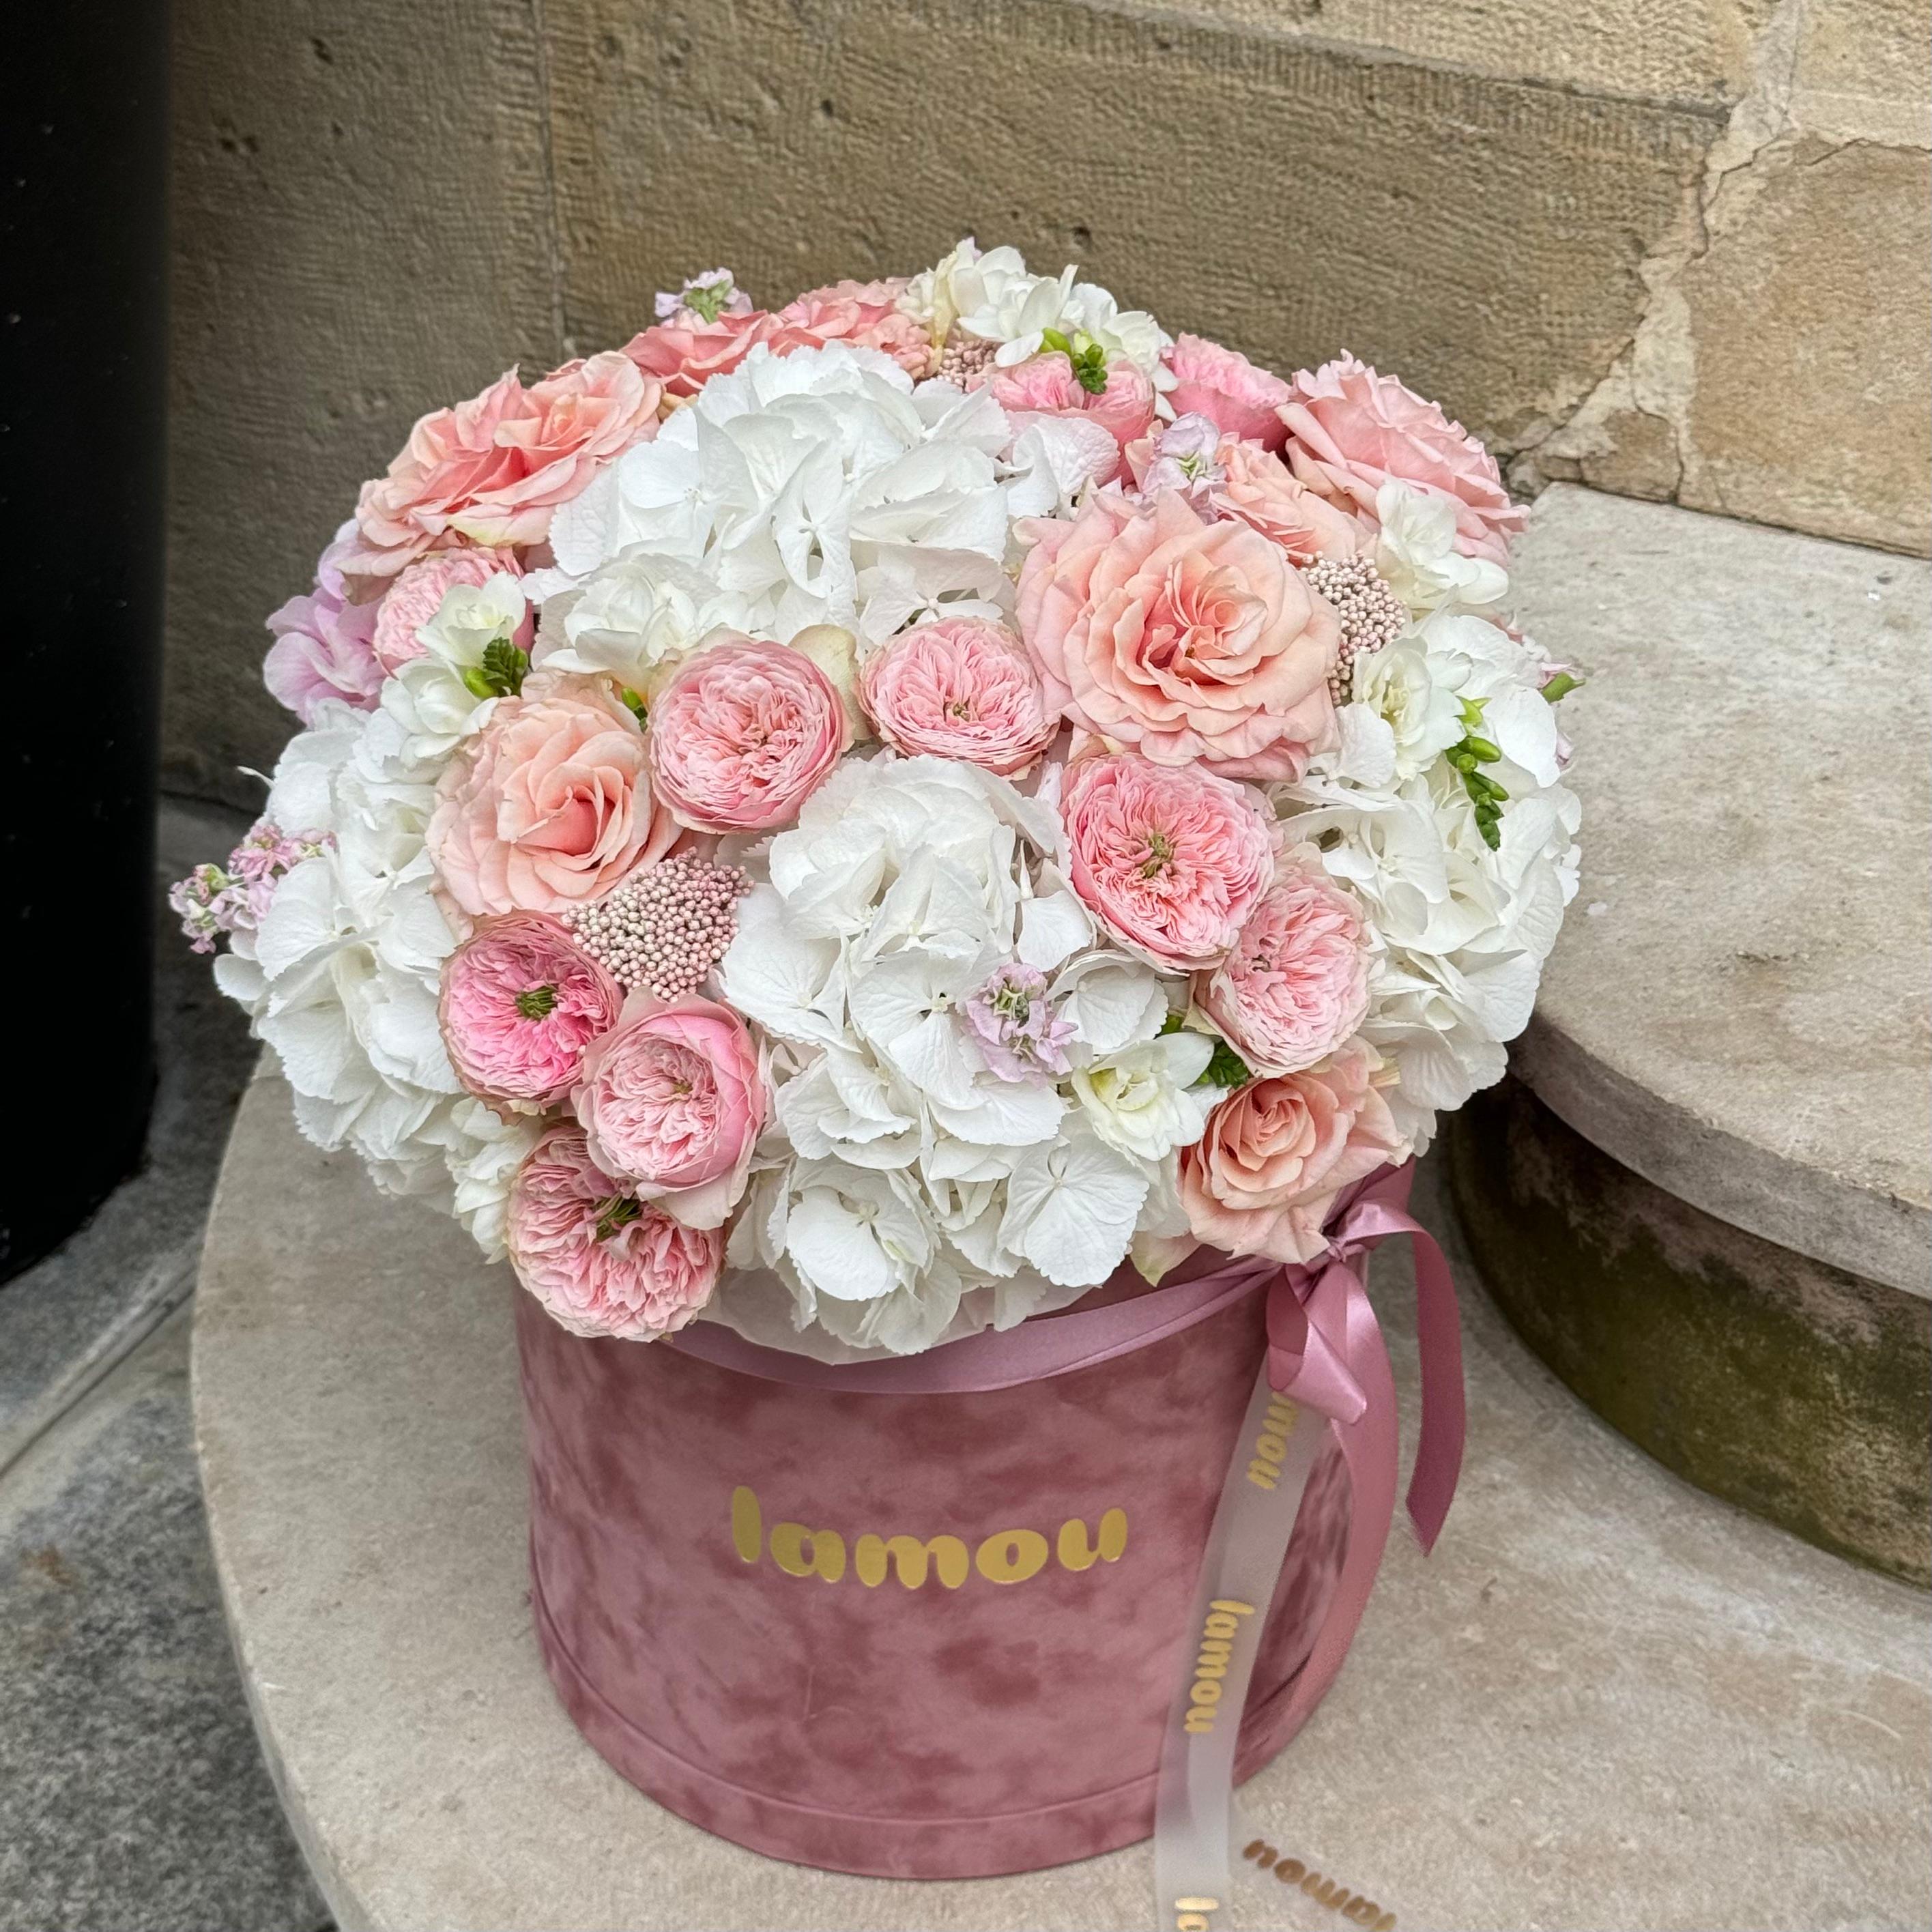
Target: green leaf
{"points": [[1227, 1068], [505, 667]]}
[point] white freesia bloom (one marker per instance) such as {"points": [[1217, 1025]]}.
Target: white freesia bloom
{"points": [[1404, 716], [433, 704], [1140, 1100]]}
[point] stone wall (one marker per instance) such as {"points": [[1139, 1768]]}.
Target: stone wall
{"points": [[1676, 248]]}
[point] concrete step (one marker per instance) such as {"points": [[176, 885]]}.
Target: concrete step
{"points": [[1724, 1246], [1607, 1700]]}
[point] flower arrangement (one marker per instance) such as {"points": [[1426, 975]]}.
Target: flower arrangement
{"points": [[856, 820]]}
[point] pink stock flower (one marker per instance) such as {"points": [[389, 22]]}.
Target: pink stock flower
{"points": [[1184, 455], [1350, 430], [1297, 984], [1260, 490], [683, 355], [602, 1262], [672, 1101], [1237, 395], [1172, 860], [415, 594], [1046, 384], [1187, 638], [520, 1004], [215, 899], [548, 805], [323, 645], [959, 687], [1264, 1178], [743, 734], [701, 298], [866, 314], [492, 471], [1020, 1037]]}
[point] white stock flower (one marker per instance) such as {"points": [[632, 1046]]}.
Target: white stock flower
{"points": [[636, 619], [1403, 717], [1141, 1101], [1416, 553]]}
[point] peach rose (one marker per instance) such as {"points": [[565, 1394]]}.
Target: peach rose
{"points": [[1172, 860], [1260, 490], [1263, 1179], [416, 595], [492, 471], [866, 314], [742, 735], [1297, 984], [602, 1262], [671, 1101], [548, 805], [1045, 385], [960, 687], [1234, 394], [1187, 637], [684, 357], [1350, 430]]}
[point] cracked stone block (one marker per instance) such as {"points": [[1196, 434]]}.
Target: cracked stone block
{"points": [[132, 1791]]}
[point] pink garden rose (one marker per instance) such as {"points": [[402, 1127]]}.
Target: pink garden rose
{"points": [[1350, 430], [323, 645], [1297, 984], [960, 688], [1264, 1177], [492, 471], [1235, 394], [1260, 490], [866, 314], [742, 735], [520, 1004], [1187, 637], [684, 355], [415, 594], [602, 1262], [1045, 385], [672, 1101], [548, 805], [1172, 860]]}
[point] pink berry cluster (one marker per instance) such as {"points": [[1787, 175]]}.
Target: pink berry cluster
{"points": [[665, 927], [1371, 614]]}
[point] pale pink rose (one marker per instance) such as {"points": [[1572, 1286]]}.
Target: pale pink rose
{"points": [[415, 594], [600, 1260], [492, 471], [1189, 638], [548, 805], [959, 687], [520, 1004], [1297, 984], [1264, 1177], [1172, 860], [1350, 430], [672, 1101], [1045, 385], [742, 735], [684, 357], [867, 314], [1237, 395], [1260, 490]]}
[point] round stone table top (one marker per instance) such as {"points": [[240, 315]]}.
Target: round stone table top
{"points": [[1607, 1699], [1737, 1008]]}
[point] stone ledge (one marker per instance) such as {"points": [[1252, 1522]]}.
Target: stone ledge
{"points": [[1736, 1008], [1511, 1744]]}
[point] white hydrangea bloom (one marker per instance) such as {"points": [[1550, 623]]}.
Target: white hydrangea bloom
{"points": [[909, 1173]]}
